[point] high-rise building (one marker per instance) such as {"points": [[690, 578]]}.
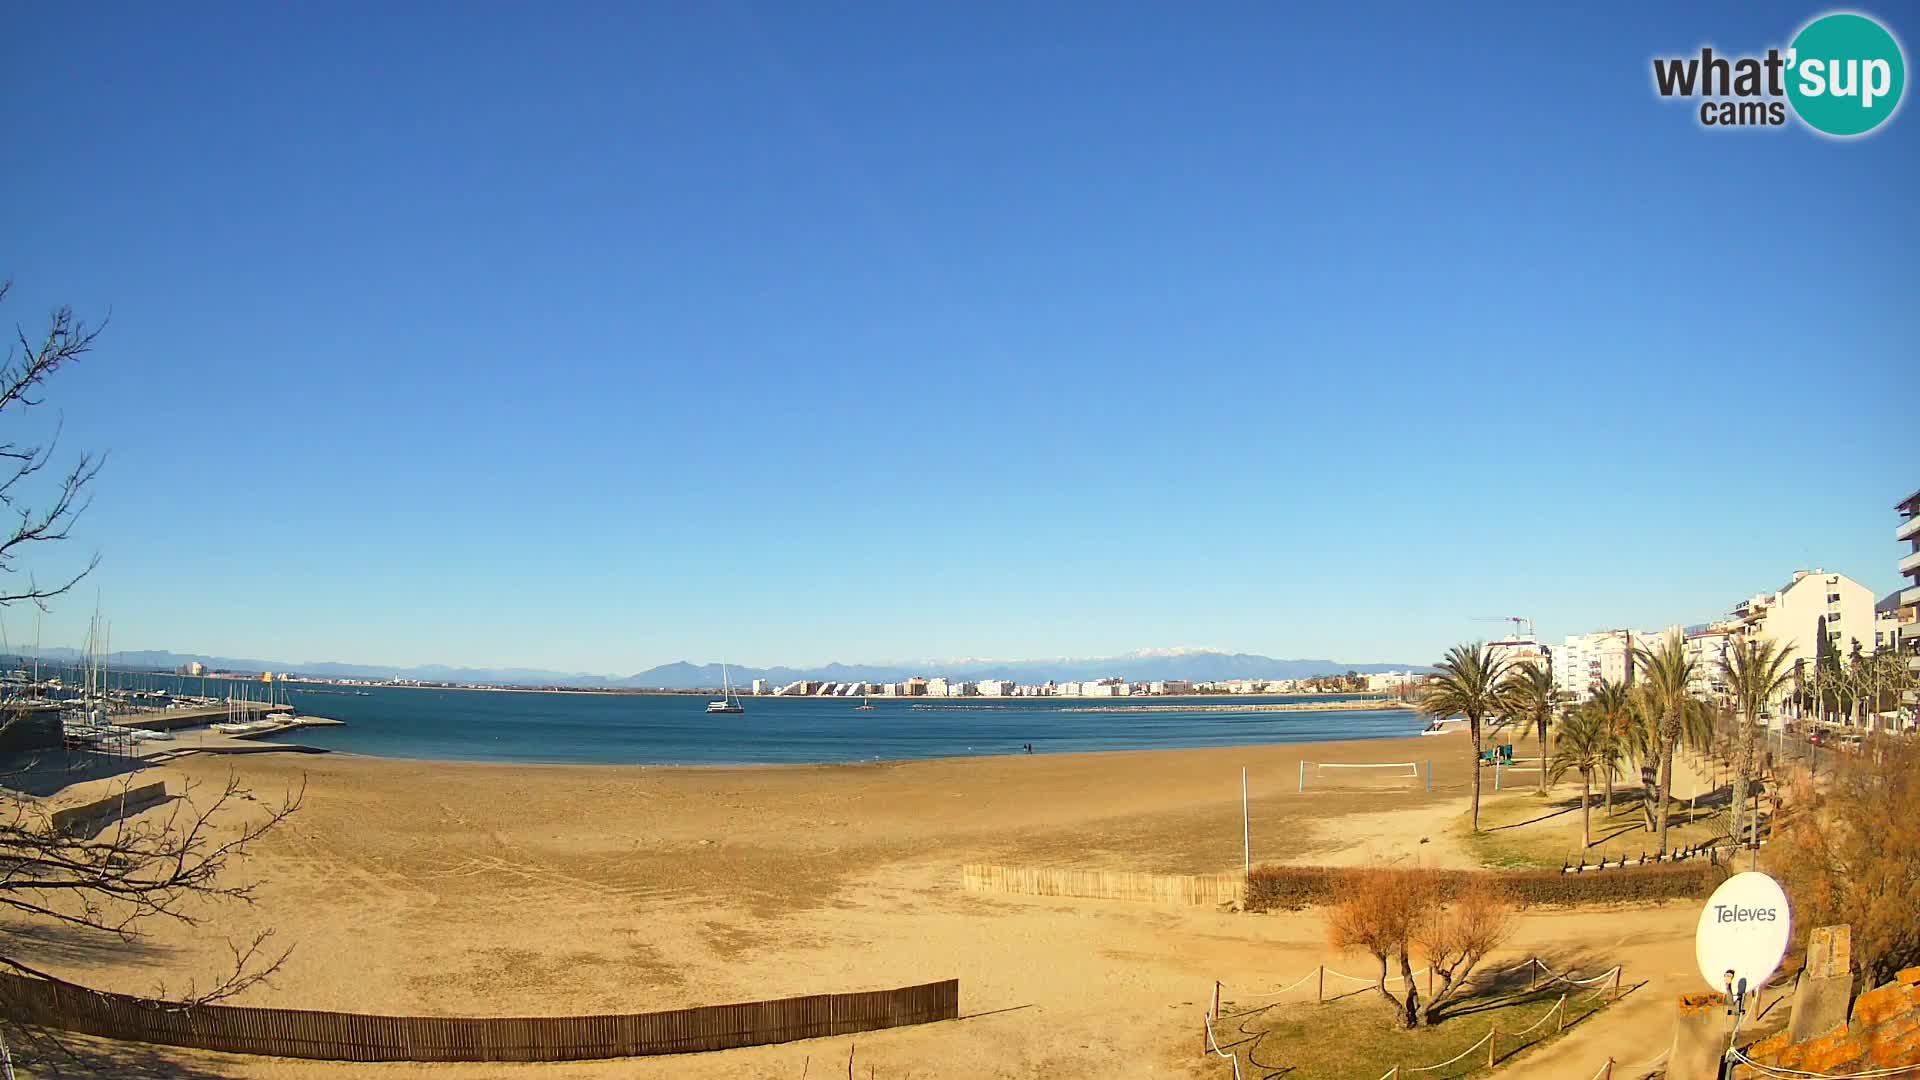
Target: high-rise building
{"points": [[1908, 611], [1813, 603], [1816, 614], [759, 687]]}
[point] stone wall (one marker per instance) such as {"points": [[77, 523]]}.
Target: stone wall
{"points": [[1883, 1031]]}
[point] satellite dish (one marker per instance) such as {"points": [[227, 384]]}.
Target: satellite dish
{"points": [[1743, 933]]}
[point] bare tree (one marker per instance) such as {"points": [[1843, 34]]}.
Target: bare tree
{"points": [[1395, 913], [143, 866], [1458, 933], [30, 361]]}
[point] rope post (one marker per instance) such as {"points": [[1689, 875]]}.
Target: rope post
{"points": [[1215, 1013], [1320, 996], [1429, 774], [1429, 981], [1492, 1038], [1616, 982], [1560, 1023], [1609, 1075], [1303, 774], [1533, 974]]}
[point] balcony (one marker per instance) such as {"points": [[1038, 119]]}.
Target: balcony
{"points": [[1911, 564], [1910, 597], [1908, 529]]}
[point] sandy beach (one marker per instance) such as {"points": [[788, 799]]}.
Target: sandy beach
{"points": [[438, 888]]}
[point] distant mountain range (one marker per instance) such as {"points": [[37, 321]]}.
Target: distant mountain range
{"points": [[1147, 665]]}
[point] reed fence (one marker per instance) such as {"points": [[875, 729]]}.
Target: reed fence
{"points": [[334, 1036], [1104, 884]]}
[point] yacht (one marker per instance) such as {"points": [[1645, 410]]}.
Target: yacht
{"points": [[729, 701]]}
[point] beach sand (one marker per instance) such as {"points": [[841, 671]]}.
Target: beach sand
{"points": [[438, 888]]}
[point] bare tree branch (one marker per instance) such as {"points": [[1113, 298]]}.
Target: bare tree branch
{"points": [[29, 363]]}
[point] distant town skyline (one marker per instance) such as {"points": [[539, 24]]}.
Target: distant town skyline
{"points": [[768, 336]]}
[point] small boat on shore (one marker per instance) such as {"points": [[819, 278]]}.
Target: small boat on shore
{"points": [[1445, 726]]}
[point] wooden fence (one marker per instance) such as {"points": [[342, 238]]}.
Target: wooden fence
{"points": [[1104, 884], [332, 1036]]}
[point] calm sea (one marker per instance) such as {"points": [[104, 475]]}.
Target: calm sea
{"points": [[479, 725]]}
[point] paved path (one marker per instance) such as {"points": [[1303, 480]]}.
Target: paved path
{"points": [[1655, 947]]}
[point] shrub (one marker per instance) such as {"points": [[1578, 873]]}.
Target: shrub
{"points": [[1290, 888]]}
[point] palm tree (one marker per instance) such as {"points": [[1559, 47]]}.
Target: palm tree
{"points": [[1467, 683], [1585, 745], [1612, 702], [1528, 696], [1757, 671], [1672, 711]]}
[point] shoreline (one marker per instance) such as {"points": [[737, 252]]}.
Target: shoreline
{"points": [[1052, 757]]}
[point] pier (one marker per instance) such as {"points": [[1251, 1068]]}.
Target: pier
{"points": [[202, 715]]}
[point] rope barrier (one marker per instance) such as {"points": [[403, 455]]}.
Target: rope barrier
{"points": [[1214, 1045], [1558, 1008], [1793, 1074], [1557, 977], [1650, 1062], [1457, 1057], [1548, 1016]]}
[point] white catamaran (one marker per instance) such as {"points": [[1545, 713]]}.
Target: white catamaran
{"points": [[729, 701]]}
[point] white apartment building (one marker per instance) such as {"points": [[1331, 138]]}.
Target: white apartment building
{"points": [[759, 687], [937, 686], [1583, 661], [994, 687], [1708, 650], [1813, 601], [1908, 611], [1379, 680], [1516, 651]]}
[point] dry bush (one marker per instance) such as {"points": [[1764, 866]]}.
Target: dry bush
{"points": [[1849, 852], [1291, 888], [1395, 914]]}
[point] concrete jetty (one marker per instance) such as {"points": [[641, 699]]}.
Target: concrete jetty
{"points": [[201, 715]]}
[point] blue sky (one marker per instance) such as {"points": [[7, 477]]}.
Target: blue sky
{"points": [[593, 337]]}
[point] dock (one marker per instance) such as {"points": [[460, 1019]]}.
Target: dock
{"points": [[208, 741], [200, 716]]}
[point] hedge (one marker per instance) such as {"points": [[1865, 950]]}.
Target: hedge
{"points": [[1293, 887]]}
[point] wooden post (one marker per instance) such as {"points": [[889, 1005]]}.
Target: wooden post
{"points": [[1429, 981], [1560, 1022], [1246, 828], [1493, 1037], [1533, 973], [1616, 982], [1609, 1075], [1215, 1011], [1320, 995]]}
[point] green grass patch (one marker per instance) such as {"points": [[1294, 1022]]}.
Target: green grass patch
{"points": [[1528, 831], [1357, 1037]]}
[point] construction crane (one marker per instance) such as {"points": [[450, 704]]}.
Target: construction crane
{"points": [[1518, 621]]}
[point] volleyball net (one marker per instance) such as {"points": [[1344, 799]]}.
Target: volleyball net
{"points": [[1366, 775]]}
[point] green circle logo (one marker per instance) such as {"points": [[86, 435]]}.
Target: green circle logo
{"points": [[1845, 74]]}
